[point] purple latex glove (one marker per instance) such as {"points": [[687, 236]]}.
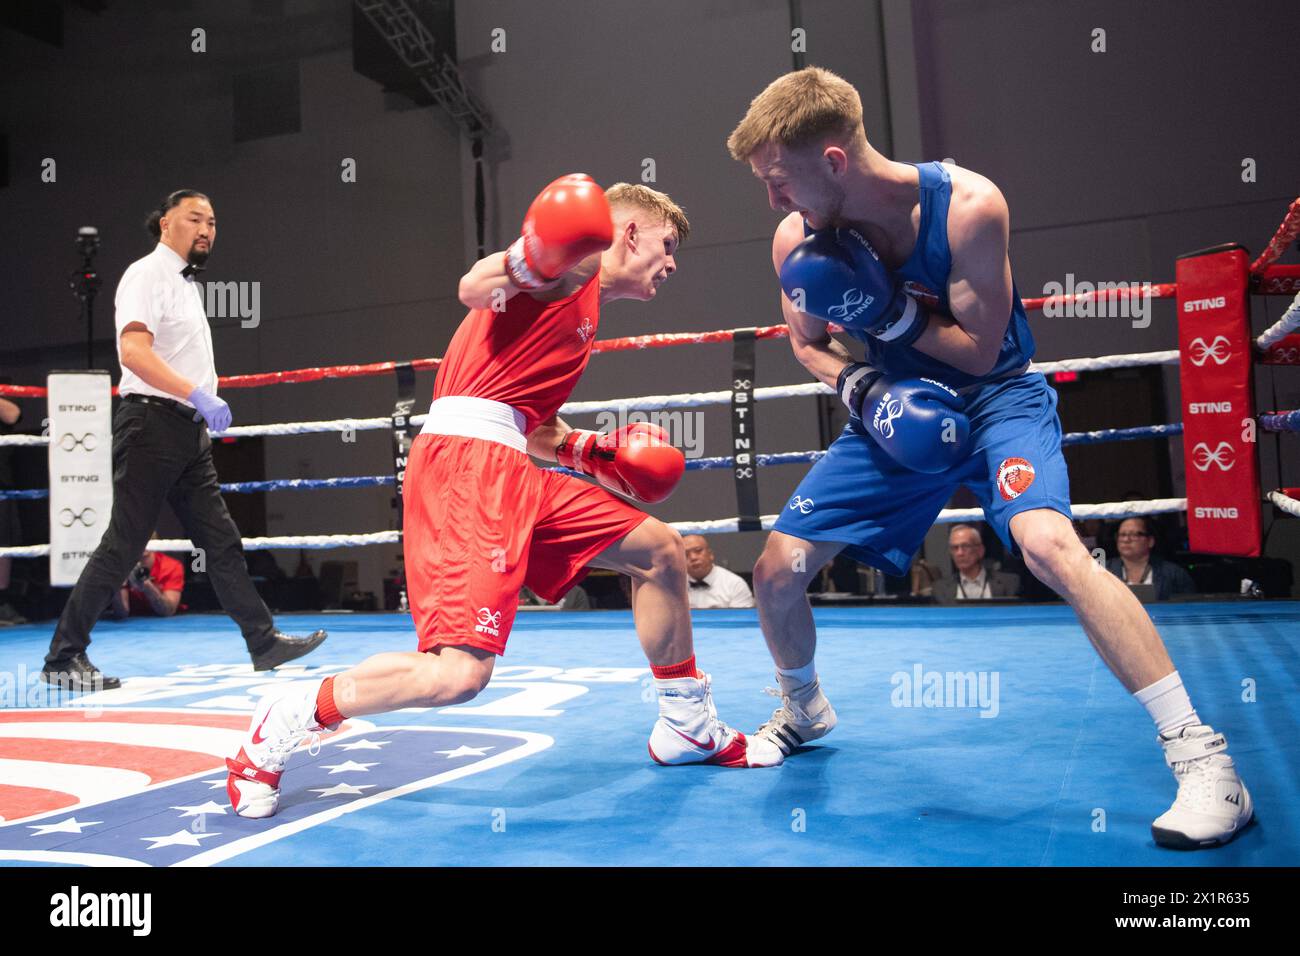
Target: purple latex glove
{"points": [[213, 409]]}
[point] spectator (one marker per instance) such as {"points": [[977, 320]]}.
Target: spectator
{"points": [[709, 584], [1089, 532], [837, 576], [1137, 564], [971, 580], [575, 599], [923, 576], [9, 532], [154, 586]]}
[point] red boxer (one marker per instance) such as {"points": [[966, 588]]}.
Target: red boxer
{"points": [[482, 521]]}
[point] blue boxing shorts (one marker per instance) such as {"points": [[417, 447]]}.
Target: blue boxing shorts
{"points": [[859, 495]]}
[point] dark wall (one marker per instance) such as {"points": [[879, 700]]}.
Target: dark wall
{"points": [[1114, 163], [348, 272]]}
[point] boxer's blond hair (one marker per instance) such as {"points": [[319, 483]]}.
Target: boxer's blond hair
{"points": [[652, 201], [800, 109]]}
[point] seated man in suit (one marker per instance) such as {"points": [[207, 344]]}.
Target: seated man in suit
{"points": [[972, 581], [1136, 564], [712, 585], [575, 599]]}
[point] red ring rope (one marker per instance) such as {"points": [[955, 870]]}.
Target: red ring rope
{"points": [[1284, 236]]}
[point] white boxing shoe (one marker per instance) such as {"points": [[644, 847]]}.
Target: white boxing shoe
{"points": [[804, 715], [280, 724], [1212, 805], [688, 730]]}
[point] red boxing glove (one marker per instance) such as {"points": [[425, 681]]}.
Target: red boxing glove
{"points": [[637, 460], [568, 221]]}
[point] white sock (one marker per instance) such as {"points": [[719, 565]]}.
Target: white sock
{"points": [[795, 677], [1168, 704]]}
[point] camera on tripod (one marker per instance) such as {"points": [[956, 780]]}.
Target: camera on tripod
{"points": [[85, 283]]}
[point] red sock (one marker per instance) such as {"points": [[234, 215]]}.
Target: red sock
{"points": [[668, 671], [326, 713]]}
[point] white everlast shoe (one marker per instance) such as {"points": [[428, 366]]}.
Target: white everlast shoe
{"points": [[1212, 805], [805, 714], [688, 730], [279, 725]]}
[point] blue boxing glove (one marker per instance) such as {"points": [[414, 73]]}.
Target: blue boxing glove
{"points": [[917, 421], [213, 409], [835, 275]]}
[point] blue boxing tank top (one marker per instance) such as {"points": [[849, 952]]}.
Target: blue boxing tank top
{"points": [[925, 274]]}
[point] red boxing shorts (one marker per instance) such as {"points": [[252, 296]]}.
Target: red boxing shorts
{"points": [[482, 521]]}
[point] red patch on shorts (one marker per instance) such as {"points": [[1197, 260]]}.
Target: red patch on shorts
{"points": [[1015, 475]]}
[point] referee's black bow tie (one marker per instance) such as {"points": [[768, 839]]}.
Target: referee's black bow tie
{"points": [[191, 270], [699, 584]]}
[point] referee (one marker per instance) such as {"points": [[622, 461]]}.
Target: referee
{"points": [[162, 452]]}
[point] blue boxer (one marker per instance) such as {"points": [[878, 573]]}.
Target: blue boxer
{"points": [[875, 260], [858, 494]]}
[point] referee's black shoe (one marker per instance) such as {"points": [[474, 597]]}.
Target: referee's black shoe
{"points": [[8, 616], [78, 674], [285, 648]]}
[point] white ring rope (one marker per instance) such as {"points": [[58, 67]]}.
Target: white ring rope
{"points": [[646, 402], [1104, 362], [1110, 509], [1283, 327], [250, 544], [1288, 504], [692, 399], [308, 428], [21, 440]]}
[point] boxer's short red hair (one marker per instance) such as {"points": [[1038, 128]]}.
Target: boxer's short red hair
{"points": [[799, 109], [657, 204]]}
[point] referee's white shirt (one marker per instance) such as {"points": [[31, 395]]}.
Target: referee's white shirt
{"points": [[724, 589], [153, 293]]}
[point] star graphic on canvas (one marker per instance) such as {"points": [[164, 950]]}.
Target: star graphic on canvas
{"points": [[198, 811], [364, 745], [463, 751], [215, 784], [334, 768], [70, 825], [343, 790], [179, 838]]}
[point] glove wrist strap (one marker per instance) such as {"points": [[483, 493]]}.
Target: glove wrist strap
{"points": [[909, 325], [519, 271], [575, 449], [853, 382]]}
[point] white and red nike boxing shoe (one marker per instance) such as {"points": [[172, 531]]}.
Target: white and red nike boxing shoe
{"points": [[688, 730], [280, 724]]}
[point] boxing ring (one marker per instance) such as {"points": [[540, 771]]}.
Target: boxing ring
{"points": [[972, 736]]}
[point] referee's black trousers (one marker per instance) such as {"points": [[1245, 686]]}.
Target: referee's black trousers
{"points": [[160, 454]]}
